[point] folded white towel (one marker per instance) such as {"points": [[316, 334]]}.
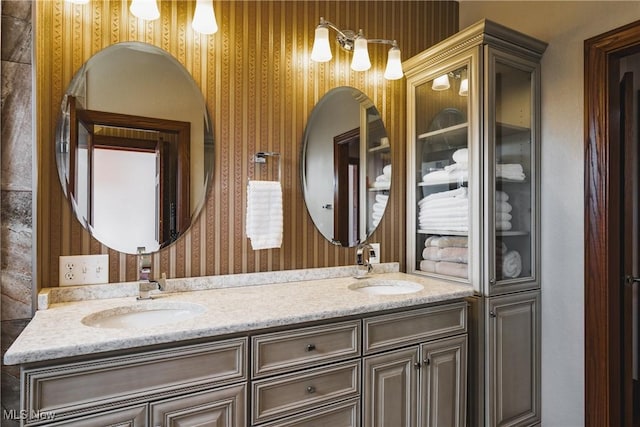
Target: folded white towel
{"points": [[377, 215], [501, 196], [383, 178], [503, 207], [446, 241], [459, 192], [382, 198], [503, 225], [378, 207], [444, 214], [511, 264], [445, 203], [443, 223], [264, 214], [457, 167], [382, 185], [512, 171], [445, 177], [461, 156], [387, 171], [503, 216]]}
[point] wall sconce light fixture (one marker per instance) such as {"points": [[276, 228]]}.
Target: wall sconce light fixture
{"points": [[355, 42], [204, 18]]}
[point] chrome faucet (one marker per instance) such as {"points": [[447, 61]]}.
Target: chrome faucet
{"points": [[145, 284], [364, 252]]}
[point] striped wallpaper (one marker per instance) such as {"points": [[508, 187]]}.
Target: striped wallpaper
{"points": [[260, 87]]}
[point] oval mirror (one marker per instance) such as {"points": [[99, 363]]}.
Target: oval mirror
{"points": [[346, 166], [134, 147]]}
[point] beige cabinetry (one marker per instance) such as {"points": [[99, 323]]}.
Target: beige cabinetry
{"points": [[473, 211], [118, 390], [404, 368], [423, 384]]}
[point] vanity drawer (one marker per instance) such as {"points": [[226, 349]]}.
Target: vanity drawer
{"points": [[343, 414], [83, 387], [292, 393], [399, 329], [281, 352]]}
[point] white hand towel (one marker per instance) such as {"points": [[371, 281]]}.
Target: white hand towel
{"points": [[264, 214], [445, 177], [513, 171], [504, 207], [382, 185], [382, 198], [379, 207], [501, 196], [387, 171], [503, 225], [460, 192], [383, 178]]}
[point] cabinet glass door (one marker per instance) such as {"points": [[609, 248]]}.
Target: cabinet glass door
{"points": [[515, 172], [442, 172]]}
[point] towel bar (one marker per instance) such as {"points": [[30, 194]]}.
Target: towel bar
{"points": [[261, 157]]}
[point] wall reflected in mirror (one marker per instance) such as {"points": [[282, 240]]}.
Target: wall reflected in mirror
{"points": [[134, 147], [346, 166]]}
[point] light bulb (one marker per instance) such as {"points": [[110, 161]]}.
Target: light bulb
{"points": [[204, 18], [441, 83], [321, 51], [464, 87], [360, 61], [394, 65], [145, 9]]}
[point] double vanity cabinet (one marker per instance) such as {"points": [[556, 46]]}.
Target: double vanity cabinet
{"points": [[473, 212], [397, 360]]}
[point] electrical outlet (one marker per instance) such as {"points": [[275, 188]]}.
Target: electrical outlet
{"points": [[83, 270], [376, 249]]}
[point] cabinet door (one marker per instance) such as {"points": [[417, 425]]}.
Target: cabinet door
{"points": [[512, 177], [224, 407], [514, 359], [390, 389], [443, 221], [133, 416], [444, 382]]}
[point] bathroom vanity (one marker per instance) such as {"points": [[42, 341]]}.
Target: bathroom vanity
{"points": [[338, 352]]}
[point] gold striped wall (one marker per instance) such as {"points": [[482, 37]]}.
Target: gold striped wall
{"points": [[260, 87]]}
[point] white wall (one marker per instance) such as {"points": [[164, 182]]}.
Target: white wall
{"points": [[564, 25]]}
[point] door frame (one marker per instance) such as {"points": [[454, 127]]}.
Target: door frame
{"points": [[602, 208]]}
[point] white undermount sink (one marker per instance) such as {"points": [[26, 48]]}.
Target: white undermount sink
{"points": [[385, 287], [145, 314]]}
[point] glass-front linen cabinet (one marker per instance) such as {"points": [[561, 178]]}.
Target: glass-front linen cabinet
{"points": [[473, 203]]}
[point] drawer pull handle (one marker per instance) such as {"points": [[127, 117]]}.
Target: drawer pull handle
{"points": [[311, 347], [311, 389]]}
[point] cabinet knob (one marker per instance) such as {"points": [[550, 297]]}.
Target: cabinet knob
{"points": [[492, 314], [492, 281], [311, 347], [311, 389], [427, 361], [417, 365]]}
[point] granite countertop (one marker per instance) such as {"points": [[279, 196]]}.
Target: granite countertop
{"points": [[58, 332]]}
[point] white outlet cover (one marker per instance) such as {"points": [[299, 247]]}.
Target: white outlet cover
{"points": [[83, 270], [376, 250]]}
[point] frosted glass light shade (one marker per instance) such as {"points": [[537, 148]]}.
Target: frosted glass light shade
{"points": [[441, 83], [360, 61], [394, 65], [145, 9], [321, 51], [464, 87], [204, 18]]}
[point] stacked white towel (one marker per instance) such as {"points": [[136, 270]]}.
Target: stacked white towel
{"points": [[383, 181], [503, 211], [458, 171], [447, 255], [377, 209], [264, 214], [445, 211], [512, 171]]}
